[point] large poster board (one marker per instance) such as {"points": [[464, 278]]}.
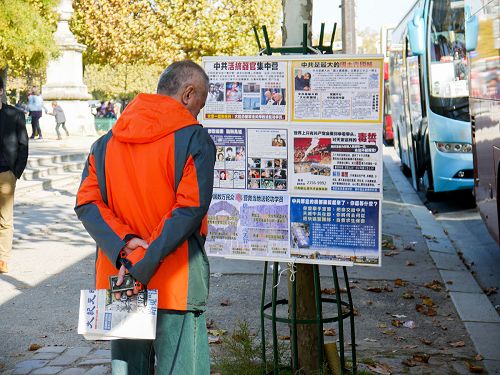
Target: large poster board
{"points": [[298, 173]]}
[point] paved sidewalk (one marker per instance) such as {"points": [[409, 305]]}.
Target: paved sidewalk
{"points": [[53, 259]]}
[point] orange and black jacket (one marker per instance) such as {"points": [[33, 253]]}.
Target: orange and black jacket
{"points": [[151, 177]]}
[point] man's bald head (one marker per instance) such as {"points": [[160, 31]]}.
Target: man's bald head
{"points": [[186, 82]]}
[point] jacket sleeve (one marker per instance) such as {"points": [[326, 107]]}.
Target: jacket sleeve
{"points": [[22, 145], [193, 197], [108, 231]]}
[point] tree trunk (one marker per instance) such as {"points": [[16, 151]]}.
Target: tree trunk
{"points": [[3, 75], [348, 26], [295, 14]]}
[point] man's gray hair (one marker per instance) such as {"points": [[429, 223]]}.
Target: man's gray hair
{"points": [[177, 74]]}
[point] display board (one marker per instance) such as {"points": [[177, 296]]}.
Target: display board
{"points": [[298, 172]]}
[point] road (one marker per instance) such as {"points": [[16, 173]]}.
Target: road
{"points": [[460, 218]]}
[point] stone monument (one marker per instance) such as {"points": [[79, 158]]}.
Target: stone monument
{"points": [[65, 80]]}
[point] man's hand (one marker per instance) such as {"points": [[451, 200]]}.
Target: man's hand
{"points": [[121, 275], [133, 244]]}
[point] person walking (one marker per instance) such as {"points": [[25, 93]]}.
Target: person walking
{"points": [[35, 107], [13, 159], [60, 118], [144, 197]]}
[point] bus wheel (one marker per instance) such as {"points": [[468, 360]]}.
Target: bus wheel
{"points": [[426, 180]]}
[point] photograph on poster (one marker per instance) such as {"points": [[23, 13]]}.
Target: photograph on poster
{"points": [[230, 157], [337, 160], [248, 224], [215, 92], [339, 229], [302, 80], [267, 159]]}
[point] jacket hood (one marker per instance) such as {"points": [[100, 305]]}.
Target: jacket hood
{"points": [[150, 117]]}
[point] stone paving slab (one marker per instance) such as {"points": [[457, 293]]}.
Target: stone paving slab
{"points": [[467, 308], [489, 345], [460, 281]]}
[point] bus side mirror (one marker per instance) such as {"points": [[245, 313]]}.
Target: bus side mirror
{"points": [[416, 33], [471, 30]]}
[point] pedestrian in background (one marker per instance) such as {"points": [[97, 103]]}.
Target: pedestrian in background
{"points": [[35, 107], [60, 118], [13, 159], [144, 197]]}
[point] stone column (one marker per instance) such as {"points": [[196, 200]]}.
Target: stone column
{"points": [[65, 80]]}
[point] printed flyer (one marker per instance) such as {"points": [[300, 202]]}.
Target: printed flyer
{"points": [[267, 159], [246, 90], [230, 157], [337, 160], [248, 225], [337, 90], [335, 229]]}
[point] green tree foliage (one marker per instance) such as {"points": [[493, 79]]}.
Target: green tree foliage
{"points": [[111, 81], [161, 31], [26, 28]]}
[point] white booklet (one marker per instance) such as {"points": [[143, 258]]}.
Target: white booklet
{"points": [[102, 317]]}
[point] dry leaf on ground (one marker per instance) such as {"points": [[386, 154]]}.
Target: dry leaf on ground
{"points": [[426, 341], [34, 347], [434, 285], [380, 368], [457, 344], [217, 332], [408, 295], [374, 289], [329, 332], [400, 282], [476, 369], [214, 340], [284, 337], [225, 302]]}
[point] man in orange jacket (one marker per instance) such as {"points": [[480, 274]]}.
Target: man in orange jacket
{"points": [[144, 197]]}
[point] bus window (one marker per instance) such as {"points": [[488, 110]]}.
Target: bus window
{"points": [[448, 63], [413, 75]]}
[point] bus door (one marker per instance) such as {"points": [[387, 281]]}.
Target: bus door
{"points": [[407, 128]]}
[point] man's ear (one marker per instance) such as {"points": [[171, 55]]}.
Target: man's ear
{"points": [[187, 94]]}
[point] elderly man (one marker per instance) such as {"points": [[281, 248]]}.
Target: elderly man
{"points": [[144, 197], [13, 159]]}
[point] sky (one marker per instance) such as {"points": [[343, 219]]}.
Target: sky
{"points": [[370, 13]]}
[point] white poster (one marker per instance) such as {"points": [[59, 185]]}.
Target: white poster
{"points": [[246, 90], [337, 90]]}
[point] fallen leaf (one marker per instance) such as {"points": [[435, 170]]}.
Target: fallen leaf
{"points": [[380, 368], [329, 332], [400, 282], [428, 302], [409, 362], [478, 357], [210, 323], [217, 332], [387, 288], [225, 302], [421, 357], [369, 302], [457, 344], [435, 285], [369, 340], [374, 289], [391, 253], [381, 325], [328, 291], [408, 295], [389, 332], [214, 340], [410, 346], [284, 337], [396, 322], [474, 368], [490, 291], [425, 341], [409, 263], [34, 347]]}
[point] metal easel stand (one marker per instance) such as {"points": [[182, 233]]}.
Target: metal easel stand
{"points": [[344, 310]]}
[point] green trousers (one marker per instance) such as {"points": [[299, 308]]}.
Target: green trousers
{"points": [[180, 348]]}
